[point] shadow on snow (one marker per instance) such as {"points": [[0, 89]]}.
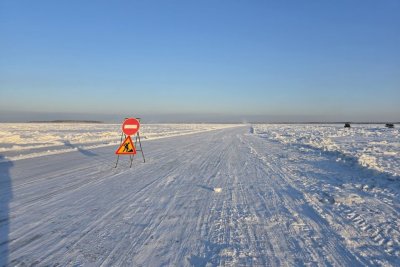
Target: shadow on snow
{"points": [[83, 151], [5, 199]]}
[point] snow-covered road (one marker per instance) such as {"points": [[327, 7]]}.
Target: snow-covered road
{"points": [[280, 204]]}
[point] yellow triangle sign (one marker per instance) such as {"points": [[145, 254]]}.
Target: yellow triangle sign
{"points": [[126, 148]]}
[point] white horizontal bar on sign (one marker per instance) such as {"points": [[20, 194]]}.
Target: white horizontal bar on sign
{"points": [[129, 126]]}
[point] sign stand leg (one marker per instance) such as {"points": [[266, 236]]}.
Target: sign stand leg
{"points": [[116, 164], [140, 144]]}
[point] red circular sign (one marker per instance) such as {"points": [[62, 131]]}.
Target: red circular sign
{"points": [[130, 126]]}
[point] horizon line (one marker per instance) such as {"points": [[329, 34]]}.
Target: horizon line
{"points": [[210, 122]]}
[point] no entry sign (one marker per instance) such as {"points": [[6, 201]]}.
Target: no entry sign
{"points": [[130, 126]]}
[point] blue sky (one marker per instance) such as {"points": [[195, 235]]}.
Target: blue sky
{"points": [[209, 60]]}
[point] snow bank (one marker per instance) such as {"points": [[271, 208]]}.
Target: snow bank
{"points": [[28, 140], [372, 146]]}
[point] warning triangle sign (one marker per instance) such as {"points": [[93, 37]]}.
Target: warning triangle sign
{"points": [[126, 148]]}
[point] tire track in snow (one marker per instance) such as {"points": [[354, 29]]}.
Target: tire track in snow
{"points": [[61, 194], [141, 240], [313, 236], [200, 161], [120, 208]]}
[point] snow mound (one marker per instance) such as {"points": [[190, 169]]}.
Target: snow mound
{"points": [[371, 146], [29, 140]]}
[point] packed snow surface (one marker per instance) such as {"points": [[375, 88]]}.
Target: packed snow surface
{"points": [[251, 195]]}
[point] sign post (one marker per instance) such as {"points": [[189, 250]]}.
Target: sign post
{"points": [[130, 126]]}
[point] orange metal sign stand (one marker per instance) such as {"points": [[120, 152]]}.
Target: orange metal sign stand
{"points": [[127, 147]]}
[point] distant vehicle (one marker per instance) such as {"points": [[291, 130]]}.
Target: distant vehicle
{"points": [[347, 125], [389, 125]]}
